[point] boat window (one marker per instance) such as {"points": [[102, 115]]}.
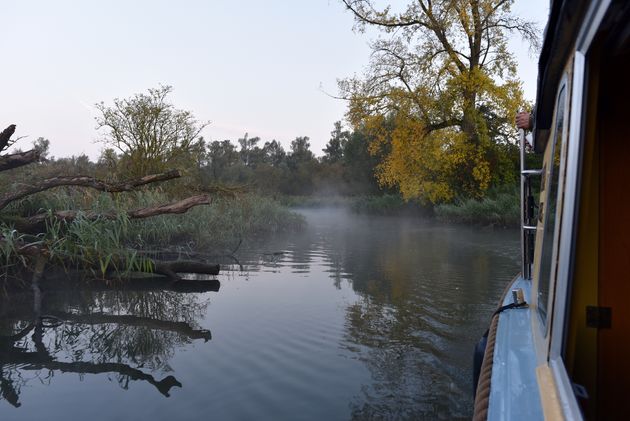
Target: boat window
{"points": [[550, 186]]}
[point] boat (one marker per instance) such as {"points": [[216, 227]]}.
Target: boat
{"points": [[558, 346]]}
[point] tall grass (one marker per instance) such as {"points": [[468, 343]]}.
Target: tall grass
{"points": [[501, 207], [218, 226], [107, 244]]}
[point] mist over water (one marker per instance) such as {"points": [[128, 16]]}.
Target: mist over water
{"points": [[357, 317]]}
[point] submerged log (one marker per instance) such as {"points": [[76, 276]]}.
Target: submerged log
{"points": [[135, 284], [172, 268], [169, 269]]}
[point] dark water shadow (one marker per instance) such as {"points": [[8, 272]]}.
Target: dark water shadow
{"points": [[128, 330]]}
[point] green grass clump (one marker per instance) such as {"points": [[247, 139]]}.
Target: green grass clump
{"points": [[501, 207], [218, 226]]}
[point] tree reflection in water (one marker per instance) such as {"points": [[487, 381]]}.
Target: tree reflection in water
{"points": [[413, 326], [425, 293], [131, 335]]}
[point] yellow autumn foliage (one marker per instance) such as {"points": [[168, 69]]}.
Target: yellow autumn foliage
{"points": [[440, 96]]}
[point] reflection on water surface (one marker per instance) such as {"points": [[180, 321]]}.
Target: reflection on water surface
{"points": [[356, 318]]}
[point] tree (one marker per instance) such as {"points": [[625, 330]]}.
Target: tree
{"points": [[333, 152], [220, 156], [274, 153], [359, 165], [300, 150], [43, 146], [150, 132], [440, 94], [300, 168], [247, 145]]}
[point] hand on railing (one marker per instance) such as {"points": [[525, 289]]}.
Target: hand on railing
{"points": [[524, 120]]}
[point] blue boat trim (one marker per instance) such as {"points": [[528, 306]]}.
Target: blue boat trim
{"points": [[514, 393]]}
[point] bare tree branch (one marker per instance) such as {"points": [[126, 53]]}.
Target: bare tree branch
{"points": [[354, 7], [36, 224], [85, 181]]}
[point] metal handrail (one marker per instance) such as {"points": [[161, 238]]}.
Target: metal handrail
{"points": [[531, 172], [528, 223], [525, 266]]}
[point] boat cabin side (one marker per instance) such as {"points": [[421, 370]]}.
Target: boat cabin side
{"points": [[580, 322], [565, 356]]}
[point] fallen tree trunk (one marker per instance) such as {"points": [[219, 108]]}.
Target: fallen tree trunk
{"points": [[37, 223], [18, 159], [84, 181]]}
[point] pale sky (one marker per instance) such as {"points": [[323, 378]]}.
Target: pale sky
{"points": [[253, 66]]}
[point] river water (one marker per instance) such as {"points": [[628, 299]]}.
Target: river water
{"points": [[357, 317]]}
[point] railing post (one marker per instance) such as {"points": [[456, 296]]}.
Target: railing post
{"points": [[525, 266]]}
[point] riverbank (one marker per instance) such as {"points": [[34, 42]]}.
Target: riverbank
{"points": [[501, 207], [100, 242], [386, 204]]}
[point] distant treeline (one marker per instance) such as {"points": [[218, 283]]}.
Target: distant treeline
{"points": [[346, 167]]}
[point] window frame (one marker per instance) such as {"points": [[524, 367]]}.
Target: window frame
{"points": [[545, 316]]}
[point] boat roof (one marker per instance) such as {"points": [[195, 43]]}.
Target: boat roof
{"points": [[565, 18]]}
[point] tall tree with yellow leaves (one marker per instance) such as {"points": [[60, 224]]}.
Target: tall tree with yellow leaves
{"points": [[440, 94]]}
